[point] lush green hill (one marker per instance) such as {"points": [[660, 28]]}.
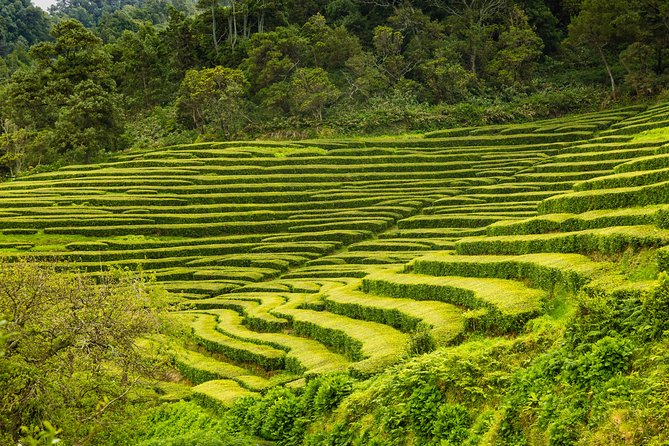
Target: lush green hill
{"points": [[504, 249]]}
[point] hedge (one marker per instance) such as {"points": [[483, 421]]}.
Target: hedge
{"points": [[577, 166], [219, 395], [303, 355], [202, 287], [393, 245], [631, 129], [663, 258], [654, 162], [577, 222], [530, 138], [255, 309], [545, 271], [621, 154], [534, 225], [42, 223], [199, 368], [205, 333], [446, 320], [376, 345], [579, 202], [448, 221], [559, 176], [516, 197], [430, 233], [603, 147], [621, 180], [512, 301], [611, 240]]}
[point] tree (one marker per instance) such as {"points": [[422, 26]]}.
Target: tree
{"points": [[90, 123], [271, 59], [519, 50], [470, 21], [76, 55], [213, 99], [19, 146], [445, 80], [13, 144], [423, 36], [329, 48], [142, 67], [209, 7], [71, 355], [21, 21], [26, 100], [654, 16], [600, 25], [312, 91], [638, 60], [541, 17], [388, 50], [181, 40], [70, 93]]}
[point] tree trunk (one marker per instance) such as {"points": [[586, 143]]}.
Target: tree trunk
{"points": [[230, 30], [608, 70], [234, 25], [213, 26]]}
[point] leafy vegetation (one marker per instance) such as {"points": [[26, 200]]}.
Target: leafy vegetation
{"points": [[69, 352]]}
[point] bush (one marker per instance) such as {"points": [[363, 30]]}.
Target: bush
{"points": [[423, 407], [421, 340], [656, 309], [452, 424]]}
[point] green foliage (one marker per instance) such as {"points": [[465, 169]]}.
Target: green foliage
{"points": [[21, 21], [602, 24], [71, 353], [452, 424], [423, 407], [323, 394], [213, 99], [595, 370], [421, 340], [520, 49], [45, 435], [140, 69], [176, 424], [547, 381], [67, 99], [89, 124], [312, 91], [655, 308], [319, 68], [282, 415]]}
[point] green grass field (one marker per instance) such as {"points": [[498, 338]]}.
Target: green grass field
{"points": [[290, 260]]}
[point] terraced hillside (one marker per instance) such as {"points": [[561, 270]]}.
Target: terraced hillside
{"points": [[290, 260]]}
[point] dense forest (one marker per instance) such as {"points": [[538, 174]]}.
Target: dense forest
{"points": [[119, 74]]}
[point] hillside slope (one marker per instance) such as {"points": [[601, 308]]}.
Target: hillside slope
{"points": [[293, 260]]}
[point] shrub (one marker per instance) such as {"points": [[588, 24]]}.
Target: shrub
{"points": [[423, 407], [421, 340], [452, 424]]}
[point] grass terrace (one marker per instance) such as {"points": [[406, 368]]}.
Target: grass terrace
{"points": [[287, 261]]}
